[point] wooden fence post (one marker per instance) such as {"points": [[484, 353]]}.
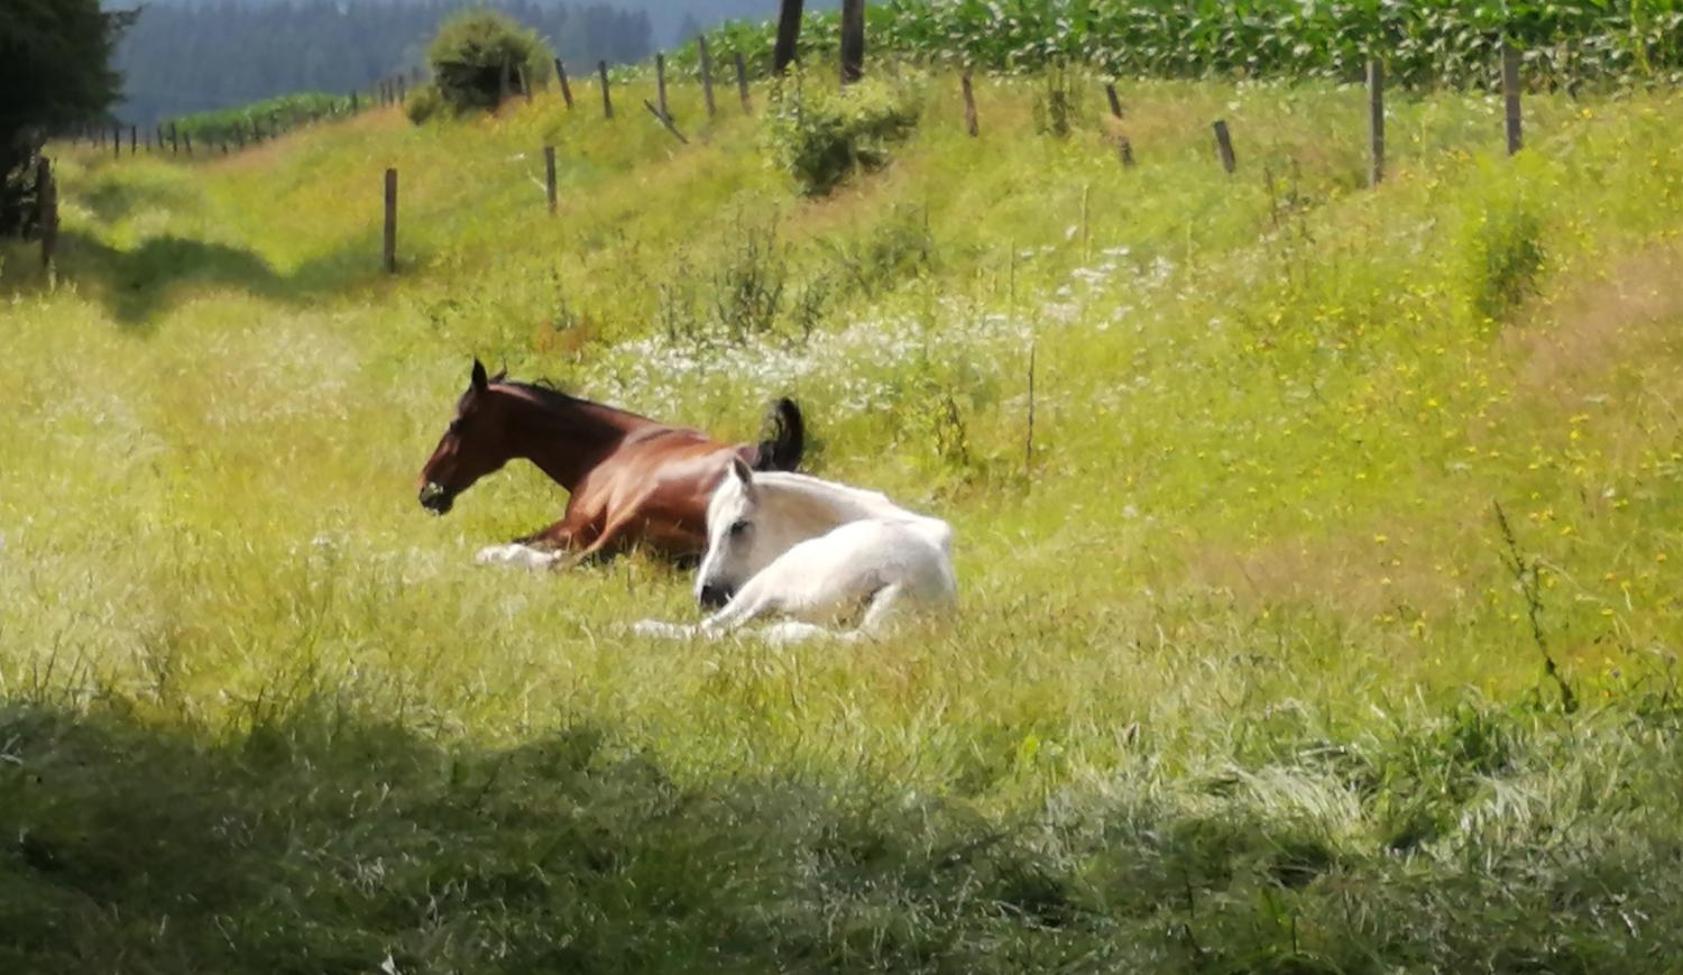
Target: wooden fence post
{"points": [[134, 139], [187, 143], [174, 141], [788, 35], [46, 201], [1115, 102], [549, 176], [1224, 145], [742, 83], [665, 120], [607, 99], [116, 141], [970, 125], [354, 106], [566, 89], [1376, 119], [391, 222], [1510, 96], [852, 41], [706, 73], [660, 84]]}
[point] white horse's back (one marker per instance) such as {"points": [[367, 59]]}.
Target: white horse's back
{"points": [[828, 576]]}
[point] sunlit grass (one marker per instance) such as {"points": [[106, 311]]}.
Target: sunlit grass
{"points": [[1240, 681]]}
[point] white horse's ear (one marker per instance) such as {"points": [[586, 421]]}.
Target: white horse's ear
{"points": [[742, 472]]}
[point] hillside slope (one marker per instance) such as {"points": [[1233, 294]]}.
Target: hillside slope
{"points": [[1246, 675]]}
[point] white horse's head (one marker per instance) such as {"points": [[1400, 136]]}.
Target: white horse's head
{"points": [[741, 538], [754, 518]]}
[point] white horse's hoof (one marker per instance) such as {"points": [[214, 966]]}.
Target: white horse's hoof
{"points": [[660, 628], [517, 555]]}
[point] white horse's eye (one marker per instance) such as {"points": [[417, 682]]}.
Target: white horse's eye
{"points": [[738, 527]]}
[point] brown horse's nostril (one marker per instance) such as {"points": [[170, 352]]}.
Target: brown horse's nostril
{"points": [[712, 597], [435, 498]]}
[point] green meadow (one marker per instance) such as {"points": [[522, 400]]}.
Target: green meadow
{"points": [[1248, 675]]}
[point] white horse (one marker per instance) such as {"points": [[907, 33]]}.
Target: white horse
{"points": [[795, 546]]}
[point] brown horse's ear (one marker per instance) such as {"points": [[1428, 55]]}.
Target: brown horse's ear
{"points": [[742, 472], [479, 380], [501, 375]]}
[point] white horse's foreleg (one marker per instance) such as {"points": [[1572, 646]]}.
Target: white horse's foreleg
{"points": [[660, 628], [881, 609], [750, 602], [737, 613]]}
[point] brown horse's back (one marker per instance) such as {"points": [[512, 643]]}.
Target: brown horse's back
{"points": [[656, 489]]}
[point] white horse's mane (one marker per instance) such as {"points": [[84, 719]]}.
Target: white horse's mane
{"points": [[839, 500]]}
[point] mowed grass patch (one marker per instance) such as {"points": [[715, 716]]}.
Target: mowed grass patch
{"points": [[1240, 681]]}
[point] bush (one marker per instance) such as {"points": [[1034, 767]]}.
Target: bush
{"points": [[820, 138], [425, 103], [479, 55], [1504, 252]]}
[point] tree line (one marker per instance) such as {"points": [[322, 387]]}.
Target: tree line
{"points": [[178, 60]]}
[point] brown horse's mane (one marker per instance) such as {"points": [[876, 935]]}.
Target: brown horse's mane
{"points": [[549, 393]]}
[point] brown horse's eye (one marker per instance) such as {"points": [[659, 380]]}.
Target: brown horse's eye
{"points": [[455, 426]]}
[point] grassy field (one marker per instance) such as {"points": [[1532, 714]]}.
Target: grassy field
{"points": [[1247, 677]]}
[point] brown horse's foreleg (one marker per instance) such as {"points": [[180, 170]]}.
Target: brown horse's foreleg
{"points": [[610, 541], [560, 536], [571, 532]]}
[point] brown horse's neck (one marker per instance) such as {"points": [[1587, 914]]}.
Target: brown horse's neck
{"points": [[565, 437]]}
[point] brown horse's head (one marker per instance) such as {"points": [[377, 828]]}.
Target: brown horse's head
{"points": [[474, 445]]}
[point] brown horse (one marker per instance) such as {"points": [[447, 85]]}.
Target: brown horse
{"points": [[630, 479]]}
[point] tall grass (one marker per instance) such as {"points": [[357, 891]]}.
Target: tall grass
{"points": [[1241, 681]]}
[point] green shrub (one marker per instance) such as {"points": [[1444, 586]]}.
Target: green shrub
{"points": [[819, 137], [1057, 107], [1504, 254], [424, 104], [480, 55]]}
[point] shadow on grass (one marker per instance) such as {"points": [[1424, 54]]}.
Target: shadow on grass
{"points": [[323, 843], [112, 200], [140, 284], [327, 845]]}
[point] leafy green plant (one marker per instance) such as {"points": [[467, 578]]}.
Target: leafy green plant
{"points": [[481, 56], [820, 137], [267, 116], [1057, 108], [1504, 254], [1437, 42], [424, 104]]}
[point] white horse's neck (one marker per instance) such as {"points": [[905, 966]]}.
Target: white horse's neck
{"points": [[824, 502]]}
